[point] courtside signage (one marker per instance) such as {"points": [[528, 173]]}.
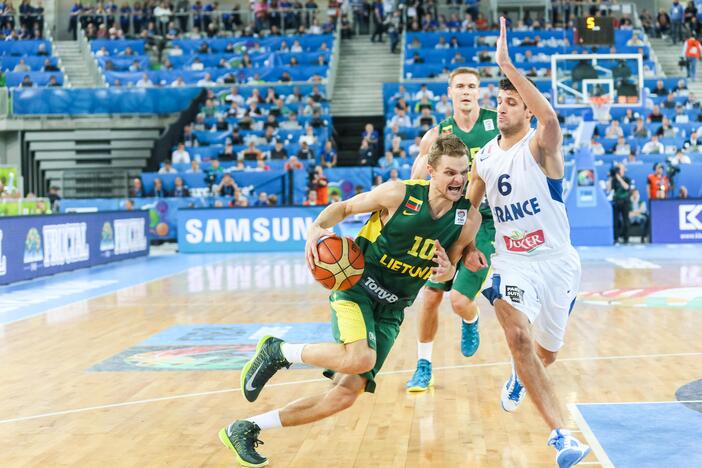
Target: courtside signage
{"points": [[676, 221], [244, 229], [32, 246]]}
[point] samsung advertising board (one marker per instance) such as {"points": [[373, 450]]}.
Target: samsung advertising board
{"points": [[33, 246], [244, 229], [676, 221]]}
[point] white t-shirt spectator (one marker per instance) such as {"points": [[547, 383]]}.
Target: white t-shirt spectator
{"points": [[179, 157], [421, 93], [310, 139], [144, 83], [443, 107], [206, 82], [597, 148], [653, 147], [413, 150], [401, 121]]}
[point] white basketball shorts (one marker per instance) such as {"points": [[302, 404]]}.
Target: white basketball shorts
{"points": [[544, 290]]}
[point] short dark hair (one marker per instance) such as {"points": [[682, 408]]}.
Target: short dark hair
{"points": [[507, 85]]}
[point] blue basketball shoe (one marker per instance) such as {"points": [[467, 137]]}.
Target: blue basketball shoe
{"points": [[513, 392], [570, 450], [422, 378], [470, 337]]}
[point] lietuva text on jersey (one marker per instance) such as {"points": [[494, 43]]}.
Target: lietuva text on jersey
{"points": [[398, 252], [405, 268]]}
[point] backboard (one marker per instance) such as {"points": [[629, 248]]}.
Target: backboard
{"points": [[576, 78]]}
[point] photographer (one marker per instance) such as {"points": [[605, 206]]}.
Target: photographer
{"points": [[658, 183], [620, 187], [638, 216], [319, 183], [213, 174]]}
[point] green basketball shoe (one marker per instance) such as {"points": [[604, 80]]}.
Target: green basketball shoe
{"points": [[267, 361], [241, 437]]}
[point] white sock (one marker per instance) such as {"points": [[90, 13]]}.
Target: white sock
{"points": [[474, 320], [563, 432], [292, 352], [424, 350], [269, 420]]}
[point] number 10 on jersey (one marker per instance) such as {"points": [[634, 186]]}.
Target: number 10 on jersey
{"points": [[423, 248]]}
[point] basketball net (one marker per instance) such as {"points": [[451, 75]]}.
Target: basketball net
{"points": [[600, 106]]}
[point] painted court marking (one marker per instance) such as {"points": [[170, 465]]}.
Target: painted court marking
{"points": [[298, 382], [590, 436]]}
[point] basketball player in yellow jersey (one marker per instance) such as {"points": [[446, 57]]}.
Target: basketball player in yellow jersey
{"points": [[403, 246], [475, 127]]}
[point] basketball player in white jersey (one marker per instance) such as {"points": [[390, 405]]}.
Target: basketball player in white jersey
{"points": [[536, 269]]}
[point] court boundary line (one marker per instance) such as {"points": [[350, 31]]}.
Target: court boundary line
{"points": [[640, 402], [298, 382], [592, 439], [99, 295]]}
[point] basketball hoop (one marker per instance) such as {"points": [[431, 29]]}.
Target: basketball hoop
{"points": [[600, 106]]}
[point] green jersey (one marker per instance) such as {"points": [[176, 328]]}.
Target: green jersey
{"points": [[398, 254], [484, 130]]}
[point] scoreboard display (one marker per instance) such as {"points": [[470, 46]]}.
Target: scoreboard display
{"points": [[595, 30]]}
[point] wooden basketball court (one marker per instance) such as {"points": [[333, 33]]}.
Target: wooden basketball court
{"points": [[625, 343]]}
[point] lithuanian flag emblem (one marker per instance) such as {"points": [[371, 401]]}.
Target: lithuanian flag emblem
{"points": [[414, 204], [447, 130]]}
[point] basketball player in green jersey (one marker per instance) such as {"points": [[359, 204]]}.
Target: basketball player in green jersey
{"points": [[475, 127], [403, 245]]}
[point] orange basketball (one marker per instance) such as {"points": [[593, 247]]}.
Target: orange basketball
{"points": [[340, 263]]}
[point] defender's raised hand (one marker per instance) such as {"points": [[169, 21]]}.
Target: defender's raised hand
{"points": [[502, 52]]}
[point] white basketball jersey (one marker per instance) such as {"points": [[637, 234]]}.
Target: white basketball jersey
{"points": [[527, 207]]}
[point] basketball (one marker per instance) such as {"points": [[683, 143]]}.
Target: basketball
{"points": [[340, 264]]}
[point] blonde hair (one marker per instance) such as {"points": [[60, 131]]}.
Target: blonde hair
{"points": [[446, 145], [463, 70]]}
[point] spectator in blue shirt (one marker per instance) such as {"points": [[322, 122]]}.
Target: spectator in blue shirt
{"points": [[137, 189], [378, 16], [159, 191], [388, 162], [262, 200], [372, 136], [328, 156], [180, 190], [677, 15]]}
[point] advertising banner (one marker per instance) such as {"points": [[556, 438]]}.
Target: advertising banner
{"points": [[676, 221], [162, 211], [32, 246], [244, 229]]}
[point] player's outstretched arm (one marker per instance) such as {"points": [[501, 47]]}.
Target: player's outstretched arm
{"points": [[546, 145], [476, 187], [473, 258], [387, 196], [419, 167], [446, 260]]}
